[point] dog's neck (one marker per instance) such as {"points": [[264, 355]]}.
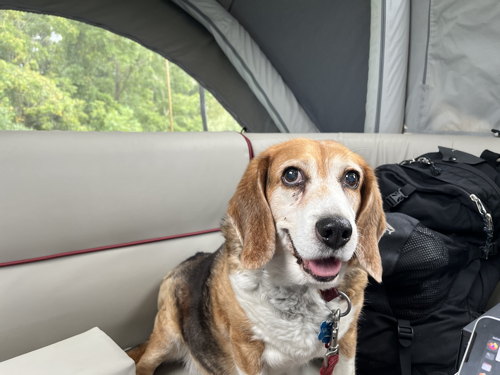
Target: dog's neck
{"points": [[268, 279], [286, 298], [287, 301]]}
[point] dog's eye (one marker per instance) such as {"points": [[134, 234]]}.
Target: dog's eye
{"points": [[292, 176], [351, 179]]}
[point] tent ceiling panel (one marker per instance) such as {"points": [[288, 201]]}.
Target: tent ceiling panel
{"points": [[166, 29], [320, 48]]}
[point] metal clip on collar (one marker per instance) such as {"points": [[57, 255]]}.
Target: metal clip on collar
{"points": [[333, 345], [349, 306]]}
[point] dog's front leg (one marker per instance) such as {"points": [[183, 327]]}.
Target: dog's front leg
{"points": [[247, 353], [345, 366]]}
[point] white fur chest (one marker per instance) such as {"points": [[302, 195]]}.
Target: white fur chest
{"points": [[287, 319]]}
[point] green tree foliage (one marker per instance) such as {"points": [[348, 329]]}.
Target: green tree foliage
{"points": [[59, 74]]}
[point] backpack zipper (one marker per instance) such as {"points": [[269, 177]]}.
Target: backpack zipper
{"points": [[488, 224], [425, 161], [437, 171]]}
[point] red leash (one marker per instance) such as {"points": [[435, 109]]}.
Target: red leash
{"points": [[332, 361]]}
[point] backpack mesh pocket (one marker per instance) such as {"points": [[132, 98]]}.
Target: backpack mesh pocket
{"points": [[423, 274]]}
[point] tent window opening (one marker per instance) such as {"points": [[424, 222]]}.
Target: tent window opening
{"points": [[60, 74]]}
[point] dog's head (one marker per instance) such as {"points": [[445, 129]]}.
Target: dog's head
{"points": [[305, 209]]}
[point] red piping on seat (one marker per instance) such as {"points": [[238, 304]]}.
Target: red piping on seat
{"points": [[109, 247], [250, 148]]}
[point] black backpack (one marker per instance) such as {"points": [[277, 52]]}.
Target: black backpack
{"points": [[439, 260]]}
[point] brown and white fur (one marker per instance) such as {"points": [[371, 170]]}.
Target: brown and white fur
{"points": [[253, 306]]}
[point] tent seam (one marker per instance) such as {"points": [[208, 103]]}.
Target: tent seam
{"points": [[424, 78], [381, 67]]}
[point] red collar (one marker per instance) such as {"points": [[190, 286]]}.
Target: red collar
{"points": [[329, 294]]}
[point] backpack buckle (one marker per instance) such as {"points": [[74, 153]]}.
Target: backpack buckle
{"points": [[491, 249], [494, 248], [395, 198], [405, 333]]}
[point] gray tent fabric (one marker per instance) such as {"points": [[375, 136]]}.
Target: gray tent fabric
{"points": [[252, 64], [166, 29], [454, 80], [320, 48], [387, 73]]}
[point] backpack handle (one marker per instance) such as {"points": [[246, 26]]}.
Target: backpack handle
{"points": [[492, 158]]}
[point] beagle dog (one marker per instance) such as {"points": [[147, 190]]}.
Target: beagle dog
{"points": [[306, 219]]}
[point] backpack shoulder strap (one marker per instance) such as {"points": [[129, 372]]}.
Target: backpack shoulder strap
{"points": [[405, 337]]}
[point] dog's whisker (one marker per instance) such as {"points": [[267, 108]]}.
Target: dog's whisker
{"points": [[360, 248]]}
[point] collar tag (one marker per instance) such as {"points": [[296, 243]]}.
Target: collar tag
{"points": [[325, 331]]}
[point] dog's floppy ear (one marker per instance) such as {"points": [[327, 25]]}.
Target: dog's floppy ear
{"points": [[371, 225], [251, 215]]}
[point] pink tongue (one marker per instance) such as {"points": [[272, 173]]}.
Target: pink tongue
{"points": [[324, 267]]}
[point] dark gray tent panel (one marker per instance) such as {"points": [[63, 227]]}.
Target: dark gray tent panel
{"points": [[320, 48], [316, 50]]}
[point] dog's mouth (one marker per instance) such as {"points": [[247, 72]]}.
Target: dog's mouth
{"points": [[325, 269]]}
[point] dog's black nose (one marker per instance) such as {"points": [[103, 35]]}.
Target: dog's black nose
{"points": [[335, 232]]}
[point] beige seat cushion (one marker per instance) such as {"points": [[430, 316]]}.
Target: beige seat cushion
{"points": [[91, 352]]}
